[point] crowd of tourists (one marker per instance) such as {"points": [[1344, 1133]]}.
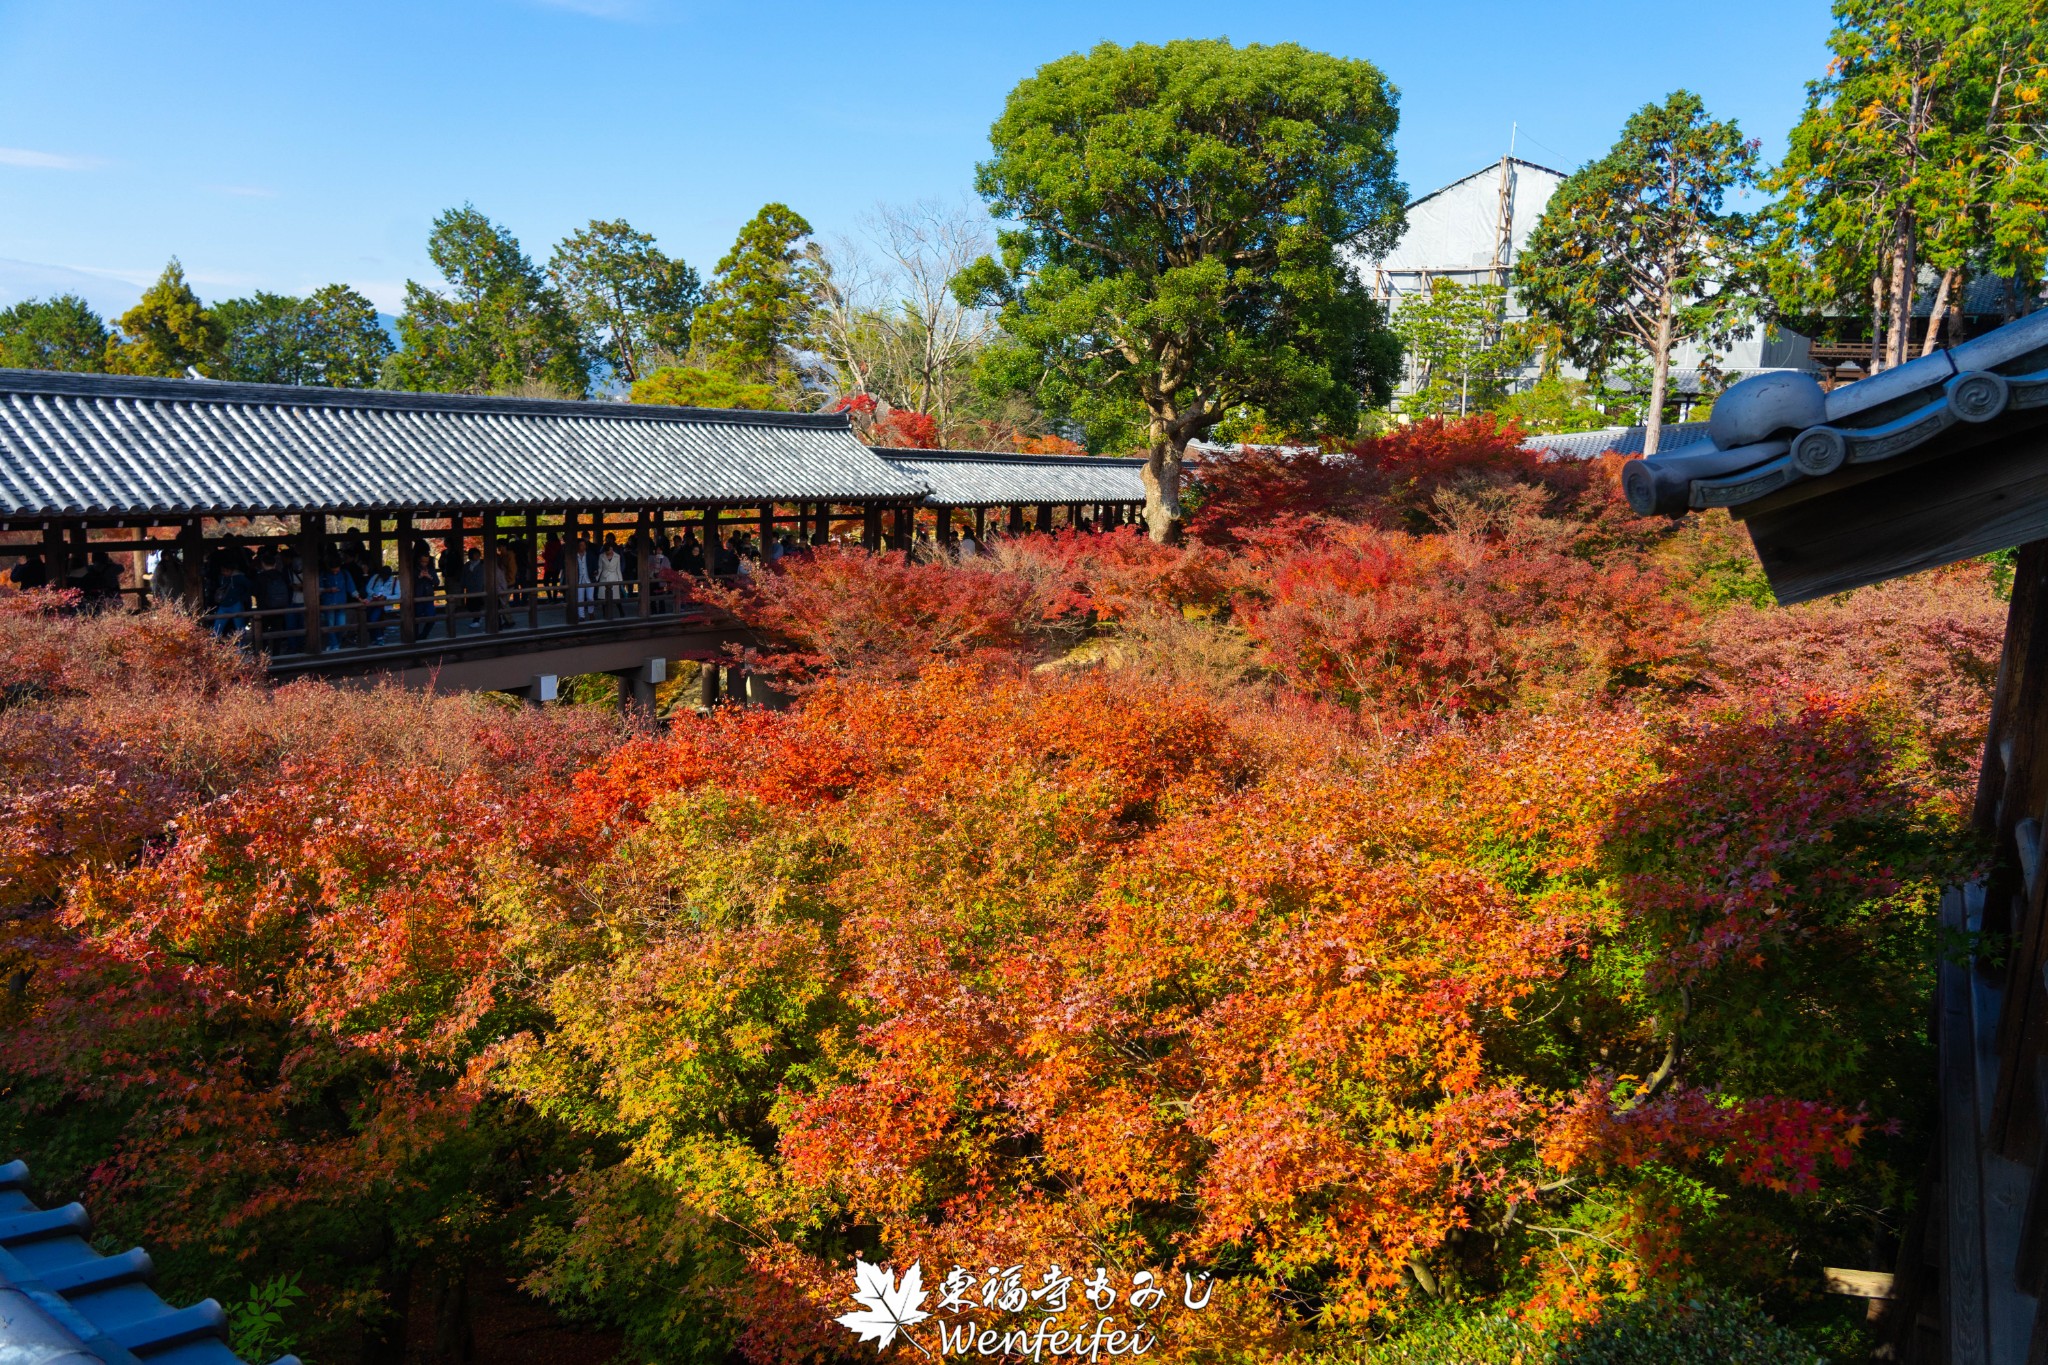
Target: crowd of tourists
{"points": [[257, 592]]}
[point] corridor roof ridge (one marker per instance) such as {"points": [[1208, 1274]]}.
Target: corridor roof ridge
{"points": [[989, 478], [74, 445]]}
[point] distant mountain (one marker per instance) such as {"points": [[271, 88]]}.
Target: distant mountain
{"points": [[27, 280]]}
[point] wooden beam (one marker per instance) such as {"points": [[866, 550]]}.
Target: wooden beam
{"points": [[1926, 513]]}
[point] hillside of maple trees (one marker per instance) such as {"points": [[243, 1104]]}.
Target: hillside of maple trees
{"points": [[1431, 895]]}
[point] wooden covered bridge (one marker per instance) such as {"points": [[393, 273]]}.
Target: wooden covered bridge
{"points": [[1935, 461], [132, 489]]}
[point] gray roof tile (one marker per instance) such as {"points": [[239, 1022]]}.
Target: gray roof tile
{"points": [[101, 445], [986, 478], [1587, 445]]}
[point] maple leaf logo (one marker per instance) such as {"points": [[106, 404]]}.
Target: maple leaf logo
{"points": [[887, 1307]]}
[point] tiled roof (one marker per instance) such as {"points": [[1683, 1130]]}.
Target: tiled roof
{"points": [[63, 1302], [1587, 445], [102, 445], [984, 478]]}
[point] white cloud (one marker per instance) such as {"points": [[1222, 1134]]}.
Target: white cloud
{"points": [[44, 161]]}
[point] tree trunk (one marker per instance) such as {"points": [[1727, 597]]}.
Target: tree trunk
{"points": [[1162, 487], [384, 1340], [1903, 279], [1660, 379], [1876, 322], [454, 1341], [1936, 313]]}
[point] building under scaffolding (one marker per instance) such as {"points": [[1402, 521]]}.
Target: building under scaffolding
{"points": [[1473, 230]]}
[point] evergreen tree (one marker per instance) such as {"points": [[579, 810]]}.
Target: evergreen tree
{"points": [[633, 303], [61, 333], [331, 338], [1460, 354], [167, 332], [763, 302], [501, 327], [1179, 211], [1635, 253], [1921, 147]]}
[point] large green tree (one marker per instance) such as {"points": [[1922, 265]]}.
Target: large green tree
{"points": [[1179, 214], [762, 306], [1925, 145], [168, 332], [633, 302], [61, 333], [1636, 252], [501, 327], [330, 338]]}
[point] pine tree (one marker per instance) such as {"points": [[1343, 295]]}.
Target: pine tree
{"points": [[168, 331], [763, 302]]}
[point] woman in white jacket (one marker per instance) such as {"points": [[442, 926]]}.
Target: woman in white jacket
{"points": [[611, 578]]}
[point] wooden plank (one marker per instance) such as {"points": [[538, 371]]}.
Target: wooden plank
{"points": [[2009, 1308], [1964, 1301], [2021, 615], [1983, 495], [2026, 838], [1860, 1284]]}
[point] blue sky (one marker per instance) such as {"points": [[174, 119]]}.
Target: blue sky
{"points": [[287, 144]]}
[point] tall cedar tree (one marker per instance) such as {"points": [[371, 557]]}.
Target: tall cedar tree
{"points": [[763, 302], [501, 327], [1636, 251], [1180, 211], [331, 338], [633, 302], [168, 331], [61, 333], [1921, 147]]}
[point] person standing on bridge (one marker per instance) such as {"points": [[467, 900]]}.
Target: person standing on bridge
{"points": [[473, 586], [551, 560], [611, 578], [383, 595], [334, 598]]}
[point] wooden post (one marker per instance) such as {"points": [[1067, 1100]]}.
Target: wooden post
{"points": [[1045, 518], [191, 549], [711, 542], [904, 523], [1016, 519], [572, 567], [532, 584], [871, 528], [312, 548], [980, 524], [491, 594], [942, 531], [643, 563], [767, 530], [707, 684], [408, 582]]}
